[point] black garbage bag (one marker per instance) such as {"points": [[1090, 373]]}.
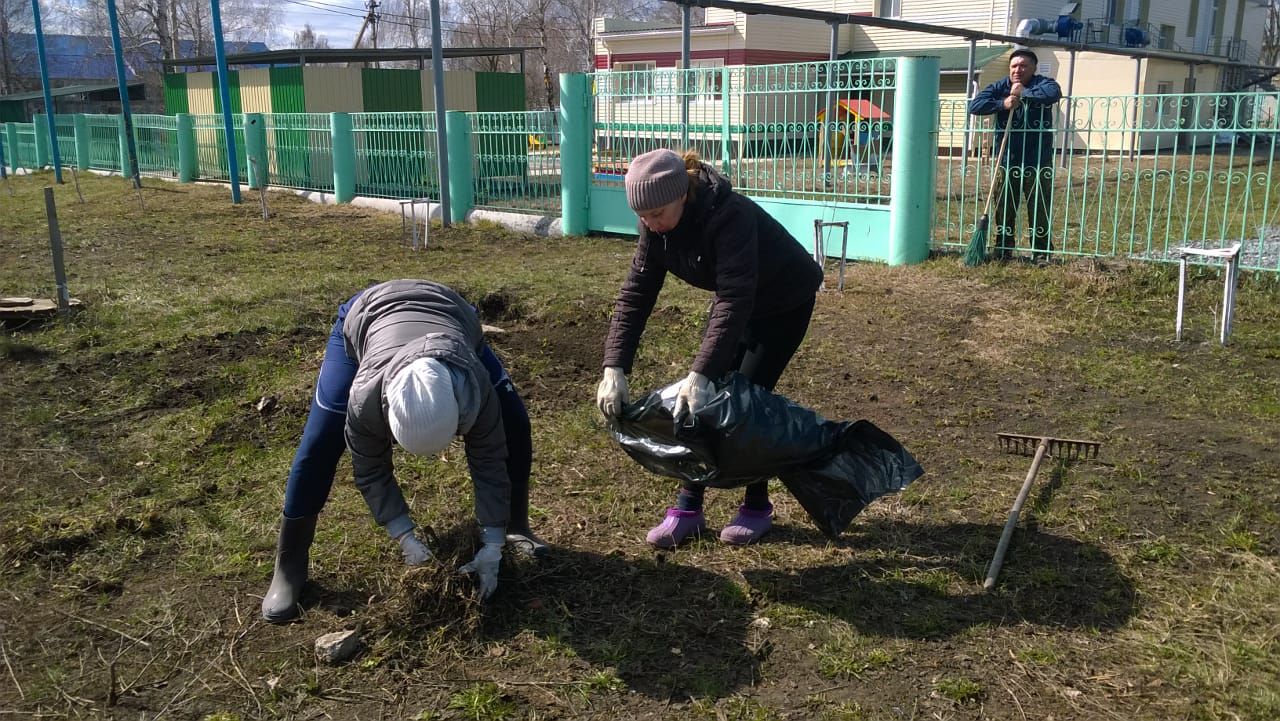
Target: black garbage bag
{"points": [[746, 433]]}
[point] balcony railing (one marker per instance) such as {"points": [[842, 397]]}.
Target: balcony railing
{"points": [[1135, 34]]}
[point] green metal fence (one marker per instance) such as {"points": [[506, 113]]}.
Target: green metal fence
{"points": [[65, 126], [300, 150], [516, 163], [396, 155], [1131, 176], [156, 140], [809, 130], [211, 147], [26, 144], [104, 142]]}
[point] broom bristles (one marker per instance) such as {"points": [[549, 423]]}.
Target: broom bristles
{"points": [[977, 252]]}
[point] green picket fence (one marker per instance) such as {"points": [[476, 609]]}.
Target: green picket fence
{"points": [[104, 142], [65, 125], [516, 161], [26, 145], [1136, 176], [211, 147], [395, 155], [300, 151], [156, 140]]}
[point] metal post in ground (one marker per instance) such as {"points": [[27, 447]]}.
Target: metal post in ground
{"points": [[56, 155], [224, 94], [126, 112], [55, 244]]}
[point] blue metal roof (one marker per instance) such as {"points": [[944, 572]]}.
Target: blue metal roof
{"points": [[80, 57]]}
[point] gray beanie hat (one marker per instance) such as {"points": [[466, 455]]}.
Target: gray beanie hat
{"points": [[656, 178]]}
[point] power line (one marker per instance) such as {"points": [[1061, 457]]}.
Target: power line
{"points": [[407, 20]]}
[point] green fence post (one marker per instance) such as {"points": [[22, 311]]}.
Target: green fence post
{"points": [[188, 160], [915, 143], [576, 134], [255, 149], [81, 122], [124, 147], [344, 157], [11, 142], [462, 195], [42, 140]]}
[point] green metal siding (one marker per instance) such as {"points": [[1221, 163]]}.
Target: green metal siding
{"points": [[294, 159], [286, 90], [391, 91], [175, 93], [500, 92], [233, 89]]}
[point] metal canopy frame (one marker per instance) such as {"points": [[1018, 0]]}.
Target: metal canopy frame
{"points": [[973, 35], [315, 56]]}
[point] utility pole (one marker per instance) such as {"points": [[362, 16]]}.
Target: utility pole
{"points": [[372, 19]]}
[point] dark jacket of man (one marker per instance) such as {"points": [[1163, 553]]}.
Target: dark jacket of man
{"points": [[1031, 137], [724, 243]]}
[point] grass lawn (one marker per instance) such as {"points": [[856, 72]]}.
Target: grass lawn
{"points": [[141, 485]]}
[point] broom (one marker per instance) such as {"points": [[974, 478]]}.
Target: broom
{"points": [[977, 252]]}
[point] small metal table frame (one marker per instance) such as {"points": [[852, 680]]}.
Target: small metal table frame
{"points": [[1230, 257], [409, 221], [820, 253]]}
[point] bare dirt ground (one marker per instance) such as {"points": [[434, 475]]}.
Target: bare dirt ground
{"points": [[140, 486]]}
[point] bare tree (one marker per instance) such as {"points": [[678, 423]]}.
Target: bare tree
{"points": [[407, 23], [15, 17], [306, 38], [1270, 53]]}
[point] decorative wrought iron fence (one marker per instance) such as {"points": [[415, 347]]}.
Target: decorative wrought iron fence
{"points": [[820, 131], [517, 161], [1132, 176]]}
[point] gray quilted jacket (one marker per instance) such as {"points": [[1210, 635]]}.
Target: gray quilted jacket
{"points": [[388, 327]]}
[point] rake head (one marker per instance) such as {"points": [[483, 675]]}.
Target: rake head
{"points": [[1064, 449]]}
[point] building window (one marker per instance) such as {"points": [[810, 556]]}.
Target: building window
{"points": [[634, 80], [708, 83], [889, 8], [1192, 18], [1115, 12], [1165, 41]]}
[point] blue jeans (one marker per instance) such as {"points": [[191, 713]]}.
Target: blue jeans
{"points": [[324, 439]]}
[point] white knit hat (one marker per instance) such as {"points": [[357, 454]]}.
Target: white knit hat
{"points": [[421, 407]]}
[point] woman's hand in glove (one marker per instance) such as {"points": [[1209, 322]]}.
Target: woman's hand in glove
{"points": [[611, 394], [694, 393]]}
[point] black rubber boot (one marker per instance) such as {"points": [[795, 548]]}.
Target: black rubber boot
{"points": [[292, 556], [519, 537]]}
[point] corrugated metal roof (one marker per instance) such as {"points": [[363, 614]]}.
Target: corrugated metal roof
{"points": [[72, 90], [950, 60]]}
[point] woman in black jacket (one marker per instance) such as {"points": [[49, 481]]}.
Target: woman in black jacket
{"points": [[694, 226]]}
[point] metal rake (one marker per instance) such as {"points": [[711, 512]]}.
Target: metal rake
{"points": [[1063, 449]]}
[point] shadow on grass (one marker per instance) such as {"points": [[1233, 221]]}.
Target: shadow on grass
{"points": [[927, 582], [671, 631]]}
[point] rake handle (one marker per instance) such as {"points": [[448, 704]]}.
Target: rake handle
{"points": [[1004, 142], [998, 560]]}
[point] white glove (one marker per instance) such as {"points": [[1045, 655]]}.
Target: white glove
{"points": [[415, 551], [611, 394], [485, 566], [694, 393]]}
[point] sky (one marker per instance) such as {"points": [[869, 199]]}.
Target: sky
{"points": [[339, 20]]}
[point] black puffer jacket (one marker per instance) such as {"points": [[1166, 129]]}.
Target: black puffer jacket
{"points": [[724, 243]]}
